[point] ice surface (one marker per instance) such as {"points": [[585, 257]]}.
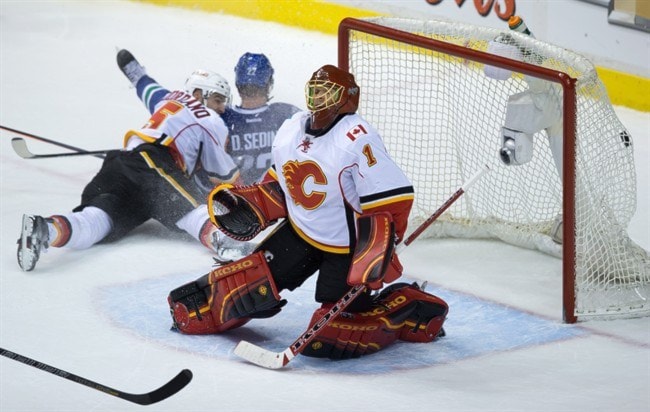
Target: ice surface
{"points": [[102, 314]]}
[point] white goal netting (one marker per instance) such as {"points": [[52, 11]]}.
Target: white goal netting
{"points": [[441, 119]]}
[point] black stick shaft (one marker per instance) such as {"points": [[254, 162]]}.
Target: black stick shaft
{"points": [[42, 139], [165, 391], [50, 141], [20, 147]]}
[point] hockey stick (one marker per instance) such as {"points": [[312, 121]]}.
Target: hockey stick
{"points": [[276, 360], [157, 395], [20, 147], [43, 139], [442, 208]]}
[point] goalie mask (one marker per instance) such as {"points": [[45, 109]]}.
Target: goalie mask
{"points": [[209, 83], [330, 92]]}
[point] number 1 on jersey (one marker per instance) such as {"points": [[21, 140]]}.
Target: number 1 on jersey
{"points": [[370, 157]]}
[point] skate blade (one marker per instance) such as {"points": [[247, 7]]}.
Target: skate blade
{"points": [[27, 230]]}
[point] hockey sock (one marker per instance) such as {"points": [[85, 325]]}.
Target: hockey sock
{"points": [[197, 224], [87, 227], [59, 230]]}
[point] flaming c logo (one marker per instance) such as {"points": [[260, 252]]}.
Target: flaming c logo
{"points": [[296, 174]]}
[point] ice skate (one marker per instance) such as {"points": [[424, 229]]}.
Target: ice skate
{"points": [[34, 238], [133, 70]]}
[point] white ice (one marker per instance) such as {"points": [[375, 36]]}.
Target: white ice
{"points": [[102, 314]]}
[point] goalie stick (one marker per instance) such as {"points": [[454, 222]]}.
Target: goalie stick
{"points": [[20, 147], [276, 360], [170, 388], [43, 139]]}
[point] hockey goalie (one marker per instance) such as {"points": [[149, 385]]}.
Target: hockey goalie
{"points": [[342, 205]]}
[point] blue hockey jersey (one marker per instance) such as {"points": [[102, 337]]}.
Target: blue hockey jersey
{"points": [[251, 135]]}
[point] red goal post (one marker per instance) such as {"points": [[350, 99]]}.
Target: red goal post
{"points": [[405, 65]]}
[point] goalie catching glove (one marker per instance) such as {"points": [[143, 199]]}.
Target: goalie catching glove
{"points": [[250, 209]]}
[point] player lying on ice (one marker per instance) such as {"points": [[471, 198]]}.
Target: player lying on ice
{"points": [[344, 200], [165, 172], [251, 125]]}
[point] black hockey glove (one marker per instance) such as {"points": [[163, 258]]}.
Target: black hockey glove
{"points": [[242, 212], [240, 222]]}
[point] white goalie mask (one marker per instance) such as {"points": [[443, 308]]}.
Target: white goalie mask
{"points": [[209, 83]]}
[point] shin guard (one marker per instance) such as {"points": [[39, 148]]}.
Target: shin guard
{"points": [[401, 311], [226, 298]]}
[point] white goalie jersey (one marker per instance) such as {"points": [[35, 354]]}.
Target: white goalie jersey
{"points": [[330, 178]]}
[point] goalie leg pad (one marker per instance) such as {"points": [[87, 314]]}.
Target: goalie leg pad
{"points": [[226, 298], [190, 309], [350, 335], [373, 251], [401, 311], [422, 314], [244, 288]]}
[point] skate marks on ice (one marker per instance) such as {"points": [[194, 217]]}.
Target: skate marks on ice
{"points": [[474, 328]]}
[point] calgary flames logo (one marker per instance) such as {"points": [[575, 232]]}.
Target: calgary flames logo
{"points": [[296, 175]]}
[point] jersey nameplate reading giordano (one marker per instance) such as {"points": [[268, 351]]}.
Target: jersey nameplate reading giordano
{"points": [[195, 106]]}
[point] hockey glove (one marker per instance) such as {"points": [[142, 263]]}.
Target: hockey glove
{"points": [[249, 209]]}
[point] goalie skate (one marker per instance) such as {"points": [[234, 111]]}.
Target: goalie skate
{"points": [[133, 70], [34, 238]]}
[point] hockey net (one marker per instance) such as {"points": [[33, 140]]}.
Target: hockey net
{"points": [[425, 89]]}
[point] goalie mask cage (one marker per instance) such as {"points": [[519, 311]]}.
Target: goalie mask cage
{"points": [[424, 88]]}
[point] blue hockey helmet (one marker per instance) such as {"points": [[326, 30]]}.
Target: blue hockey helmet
{"points": [[253, 70]]}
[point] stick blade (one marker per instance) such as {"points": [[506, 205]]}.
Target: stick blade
{"points": [[20, 147], [170, 388], [263, 357]]}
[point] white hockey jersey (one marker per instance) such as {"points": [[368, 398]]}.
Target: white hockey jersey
{"points": [[330, 179], [195, 134]]}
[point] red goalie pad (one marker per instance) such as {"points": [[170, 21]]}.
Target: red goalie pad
{"points": [[401, 311], [226, 298], [374, 249]]}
